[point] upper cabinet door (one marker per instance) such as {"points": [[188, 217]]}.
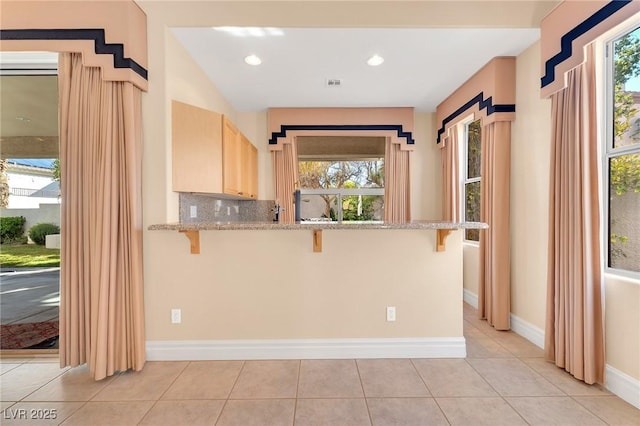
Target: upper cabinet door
{"points": [[253, 172], [196, 149], [249, 168], [232, 154]]}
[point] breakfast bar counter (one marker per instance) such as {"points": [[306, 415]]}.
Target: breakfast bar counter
{"points": [[192, 229], [306, 290]]}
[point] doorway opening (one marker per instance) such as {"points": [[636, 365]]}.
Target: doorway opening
{"points": [[30, 208]]}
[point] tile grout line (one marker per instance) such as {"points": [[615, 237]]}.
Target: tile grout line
{"points": [[295, 404], [155, 402], [364, 395], [226, 400], [502, 397], [431, 392], [587, 408]]}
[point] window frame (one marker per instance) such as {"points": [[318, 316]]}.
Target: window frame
{"points": [[343, 192], [464, 178], [608, 150]]}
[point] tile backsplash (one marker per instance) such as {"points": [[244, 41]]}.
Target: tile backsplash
{"points": [[213, 209]]}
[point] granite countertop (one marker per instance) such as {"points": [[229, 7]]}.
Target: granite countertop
{"points": [[274, 226]]}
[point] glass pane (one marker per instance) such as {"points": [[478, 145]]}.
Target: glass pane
{"points": [[341, 174], [626, 89], [472, 209], [624, 216], [473, 149], [319, 207], [363, 207]]}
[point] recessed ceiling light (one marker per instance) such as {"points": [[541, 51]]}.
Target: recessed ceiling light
{"points": [[253, 60], [375, 60]]}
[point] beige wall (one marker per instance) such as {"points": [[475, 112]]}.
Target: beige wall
{"points": [[426, 175], [271, 285], [622, 324], [471, 262], [530, 162]]}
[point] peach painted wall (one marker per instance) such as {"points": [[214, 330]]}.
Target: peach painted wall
{"points": [[122, 21], [564, 18]]}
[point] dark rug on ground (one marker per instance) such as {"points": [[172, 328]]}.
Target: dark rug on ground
{"points": [[26, 335]]}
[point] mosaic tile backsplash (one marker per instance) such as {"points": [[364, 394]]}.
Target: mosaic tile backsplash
{"points": [[212, 209]]}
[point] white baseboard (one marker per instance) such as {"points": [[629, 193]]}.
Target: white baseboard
{"points": [[436, 347], [623, 385], [470, 298], [527, 330]]}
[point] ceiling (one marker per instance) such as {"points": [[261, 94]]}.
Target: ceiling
{"points": [[421, 66], [29, 116]]}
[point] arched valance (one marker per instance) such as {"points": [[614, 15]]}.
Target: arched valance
{"points": [[111, 35]]}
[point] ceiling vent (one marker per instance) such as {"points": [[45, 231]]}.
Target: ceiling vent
{"points": [[334, 82]]}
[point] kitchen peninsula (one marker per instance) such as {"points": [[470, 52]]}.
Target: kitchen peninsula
{"points": [[275, 295]]}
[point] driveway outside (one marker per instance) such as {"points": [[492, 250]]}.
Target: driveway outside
{"points": [[29, 295]]}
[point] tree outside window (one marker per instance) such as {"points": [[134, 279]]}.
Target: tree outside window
{"points": [[623, 155], [472, 178], [343, 189]]}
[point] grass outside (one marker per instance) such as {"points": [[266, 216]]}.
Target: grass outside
{"points": [[28, 256]]}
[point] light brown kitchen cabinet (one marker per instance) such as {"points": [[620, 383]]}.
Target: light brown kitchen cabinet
{"points": [[196, 149], [232, 154], [253, 172], [210, 154], [249, 167]]}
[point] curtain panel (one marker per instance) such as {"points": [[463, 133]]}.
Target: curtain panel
{"points": [[494, 287], [101, 288], [285, 166], [574, 329], [449, 160], [397, 191]]}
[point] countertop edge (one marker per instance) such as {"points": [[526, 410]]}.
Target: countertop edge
{"points": [[271, 226]]}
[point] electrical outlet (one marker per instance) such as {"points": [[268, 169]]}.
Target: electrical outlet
{"points": [[391, 313], [176, 316], [193, 211]]}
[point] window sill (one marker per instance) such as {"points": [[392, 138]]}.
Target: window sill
{"points": [[627, 276]]}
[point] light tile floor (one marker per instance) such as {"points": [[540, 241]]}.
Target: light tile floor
{"points": [[503, 381]]}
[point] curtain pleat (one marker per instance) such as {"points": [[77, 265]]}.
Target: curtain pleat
{"points": [[449, 159], [285, 166], [574, 331], [397, 192], [101, 308], [494, 287]]}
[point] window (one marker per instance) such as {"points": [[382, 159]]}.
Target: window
{"points": [[341, 178], [471, 178], [622, 153]]}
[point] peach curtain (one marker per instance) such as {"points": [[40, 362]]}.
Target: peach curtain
{"points": [[285, 165], [101, 287], [574, 332], [449, 159], [494, 287], [397, 190]]}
